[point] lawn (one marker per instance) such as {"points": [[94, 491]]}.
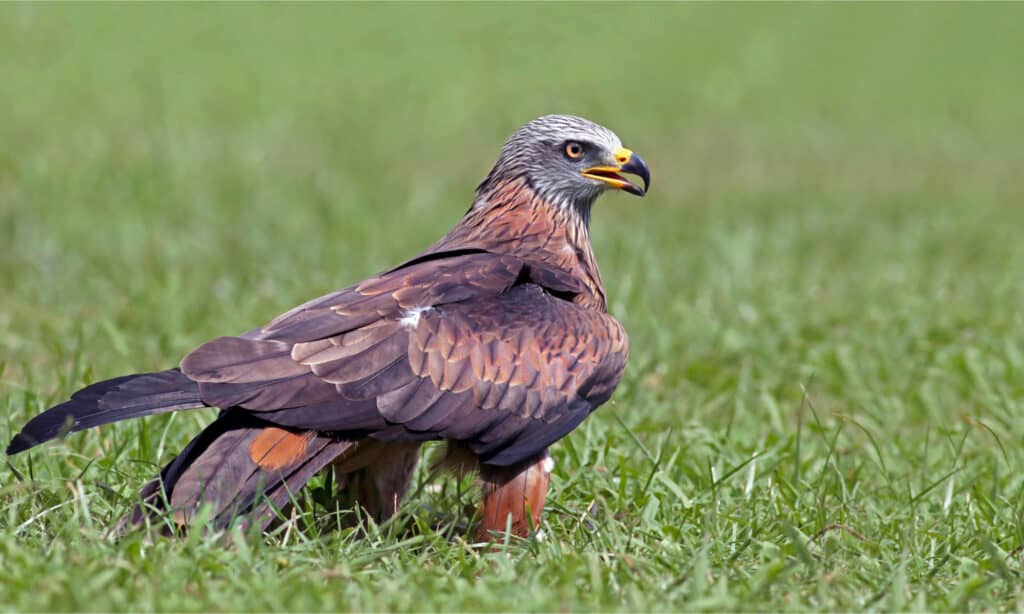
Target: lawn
{"points": [[823, 291]]}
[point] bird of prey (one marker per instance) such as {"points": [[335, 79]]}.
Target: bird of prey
{"points": [[496, 339]]}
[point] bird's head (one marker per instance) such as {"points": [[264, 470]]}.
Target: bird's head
{"points": [[568, 161]]}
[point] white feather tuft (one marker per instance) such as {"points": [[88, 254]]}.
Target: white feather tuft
{"points": [[412, 317]]}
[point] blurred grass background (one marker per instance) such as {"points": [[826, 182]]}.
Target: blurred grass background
{"points": [[826, 278]]}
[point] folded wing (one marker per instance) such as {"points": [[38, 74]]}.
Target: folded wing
{"points": [[469, 347]]}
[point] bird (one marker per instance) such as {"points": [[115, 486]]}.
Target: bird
{"points": [[496, 340]]}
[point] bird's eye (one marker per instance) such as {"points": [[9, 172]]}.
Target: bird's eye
{"points": [[574, 150]]}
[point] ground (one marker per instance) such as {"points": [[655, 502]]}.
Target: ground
{"points": [[823, 405]]}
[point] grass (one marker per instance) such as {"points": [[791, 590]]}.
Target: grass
{"points": [[823, 291]]}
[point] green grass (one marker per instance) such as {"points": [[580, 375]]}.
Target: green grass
{"points": [[823, 291]]}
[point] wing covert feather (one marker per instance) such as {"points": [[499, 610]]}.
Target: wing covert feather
{"points": [[501, 365]]}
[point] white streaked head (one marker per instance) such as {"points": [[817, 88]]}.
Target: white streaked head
{"points": [[567, 160]]}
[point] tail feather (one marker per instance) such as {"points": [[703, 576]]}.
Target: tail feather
{"points": [[226, 467], [129, 396]]}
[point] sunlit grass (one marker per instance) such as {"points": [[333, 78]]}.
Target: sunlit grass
{"points": [[823, 291]]}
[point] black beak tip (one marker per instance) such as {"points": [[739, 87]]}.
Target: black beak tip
{"points": [[637, 166]]}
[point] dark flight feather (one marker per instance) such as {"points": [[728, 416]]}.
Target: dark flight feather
{"points": [[130, 396], [217, 469]]}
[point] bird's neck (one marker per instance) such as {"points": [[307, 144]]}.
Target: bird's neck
{"points": [[510, 218]]}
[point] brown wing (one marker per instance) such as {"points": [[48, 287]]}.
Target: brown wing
{"points": [[511, 373], [465, 347]]}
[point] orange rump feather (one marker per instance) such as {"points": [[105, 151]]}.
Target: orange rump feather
{"points": [[276, 448]]}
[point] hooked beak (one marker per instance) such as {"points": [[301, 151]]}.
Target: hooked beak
{"points": [[628, 162]]}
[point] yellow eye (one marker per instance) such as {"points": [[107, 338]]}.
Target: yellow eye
{"points": [[574, 150]]}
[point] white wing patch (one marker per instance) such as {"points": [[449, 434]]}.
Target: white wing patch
{"points": [[412, 317]]}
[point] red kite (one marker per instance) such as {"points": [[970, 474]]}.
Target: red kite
{"points": [[496, 339]]}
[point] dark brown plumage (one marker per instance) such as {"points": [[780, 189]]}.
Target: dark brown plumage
{"points": [[496, 338]]}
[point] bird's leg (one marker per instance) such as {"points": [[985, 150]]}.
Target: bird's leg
{"points": [[378, 477], [516, 492]]}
